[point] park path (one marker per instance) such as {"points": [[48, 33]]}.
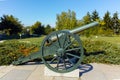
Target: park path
{"points": [[35, 71]]}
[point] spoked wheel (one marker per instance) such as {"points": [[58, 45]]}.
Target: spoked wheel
{"points": [[62, 51]]}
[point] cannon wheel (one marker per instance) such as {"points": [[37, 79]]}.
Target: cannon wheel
{"points": [[62, 51]]}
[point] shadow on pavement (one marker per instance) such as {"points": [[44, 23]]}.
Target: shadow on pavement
{"points": [[84, 68]]}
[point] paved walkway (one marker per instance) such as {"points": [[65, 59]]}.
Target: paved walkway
{"points": [[36, 72]]}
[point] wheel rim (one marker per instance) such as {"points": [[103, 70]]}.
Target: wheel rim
{"points": [[64, 50]]}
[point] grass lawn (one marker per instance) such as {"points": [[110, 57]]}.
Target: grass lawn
{"points": [[113, 40], [95, 44], [97, 48], [36, 40]]}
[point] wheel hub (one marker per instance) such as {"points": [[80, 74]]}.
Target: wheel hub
{"points": [[60, 51]]}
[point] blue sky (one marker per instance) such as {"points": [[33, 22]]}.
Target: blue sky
{"points": [[45, 11]]}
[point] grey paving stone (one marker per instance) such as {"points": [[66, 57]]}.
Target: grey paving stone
{"points": [[93, 71], [17, 75]]}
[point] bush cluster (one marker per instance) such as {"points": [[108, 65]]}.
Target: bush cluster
{"points": [[11, 50], [95, 51], [101, 52]]}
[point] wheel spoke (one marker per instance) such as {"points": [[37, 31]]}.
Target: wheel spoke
{"points": [[53, 59], [64, 40], [58, 40], [69, 60], [73, 49], [58, 62], [64, 63], [73, 55], [70, 44]]}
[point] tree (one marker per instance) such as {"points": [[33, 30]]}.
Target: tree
{"points": [[26, 30], [10, 24], [80, 23], [37, 28], [66, 20], [48, 29], [107, 21], [95, 16], [87, 18], [116, 23]]}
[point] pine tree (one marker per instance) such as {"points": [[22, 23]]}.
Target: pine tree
{"points": [[107, 21], [95, 16], [87, 18], [116, 23]]}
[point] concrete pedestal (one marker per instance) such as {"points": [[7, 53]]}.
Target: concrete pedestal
{"points": [[48, 72]]}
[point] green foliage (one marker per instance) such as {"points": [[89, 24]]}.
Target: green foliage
{"points": [[95, 16], [37, 28], [107, 20], [36, 41], [80, 23], [101, 52], [97, 49], [108, 25], [87, 18], [26, 31], [11, 50], [48, 29], [115, 23], [10, 25], [66, 20]]}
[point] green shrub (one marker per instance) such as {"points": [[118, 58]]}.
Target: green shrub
{"points": [[101, 52], [96, 51], [11, 50]]}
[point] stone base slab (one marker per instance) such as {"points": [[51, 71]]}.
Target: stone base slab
{"points": [[48, 72]]}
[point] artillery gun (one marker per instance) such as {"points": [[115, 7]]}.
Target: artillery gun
{"points": [[61, 51]]}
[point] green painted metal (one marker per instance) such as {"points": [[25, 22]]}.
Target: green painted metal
{"points": [[31, 57], [61, 51], [66, 52], [79, 29]]}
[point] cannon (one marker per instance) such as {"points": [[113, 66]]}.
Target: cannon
{"points": [[61, 51]]}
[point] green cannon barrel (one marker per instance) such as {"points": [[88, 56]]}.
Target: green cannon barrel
{"points": [[79, 29]]}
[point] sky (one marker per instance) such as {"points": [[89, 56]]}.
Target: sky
{"points": [[45, 11]]}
